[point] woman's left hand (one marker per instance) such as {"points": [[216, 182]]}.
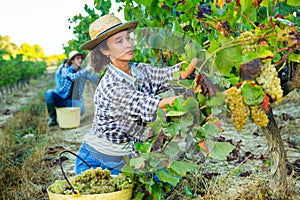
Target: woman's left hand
{"points": [[190, 69]]}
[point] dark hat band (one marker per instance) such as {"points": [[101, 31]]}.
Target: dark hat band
{"points": [[109, 29]]}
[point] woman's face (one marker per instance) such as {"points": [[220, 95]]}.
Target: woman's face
{"points": [[120, 47]]}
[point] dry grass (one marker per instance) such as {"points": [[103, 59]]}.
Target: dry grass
{"points": [[23, 143]]}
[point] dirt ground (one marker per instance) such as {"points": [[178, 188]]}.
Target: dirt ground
{"points": [[250, 141]]}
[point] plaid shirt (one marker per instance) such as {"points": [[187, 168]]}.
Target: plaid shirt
{"points": [[122, 108], [73, 82]]}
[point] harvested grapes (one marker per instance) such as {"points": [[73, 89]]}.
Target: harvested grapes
{"points": [[92, 181]]}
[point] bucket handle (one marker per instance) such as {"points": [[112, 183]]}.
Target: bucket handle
{"points": [[63, 172]]}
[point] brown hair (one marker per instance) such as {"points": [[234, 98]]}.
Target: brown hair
{"points": [[97, 59]]}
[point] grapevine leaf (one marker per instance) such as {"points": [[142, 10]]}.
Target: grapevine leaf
{"points": [[142, 147], [201, 99], [174, 113], [253, 94], [217, 100], [190, 51], [216, 122], [265, 53], [174, 128], [191, 106], [127, 169], [262, 53], [165, 177], [172, 149], [180, 124], [246, 5], [219, 150], [283, 8], [211, 129], [225, 60], [144, 2], [199, 132], [154, 163], [154, 126], [293, 2], [177, 105], [234, 79], [181, 167], [139, 196], [214, 45], [157, 192], [137, 162], [250, 70], [294, 57], [188, 5], [181, 83]]}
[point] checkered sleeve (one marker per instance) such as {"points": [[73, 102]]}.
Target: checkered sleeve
{"points": [[159, 77], [94, 78], [74, 76], [132, 104]]}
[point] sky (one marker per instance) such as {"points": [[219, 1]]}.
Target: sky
{"points": [[40, 22]]}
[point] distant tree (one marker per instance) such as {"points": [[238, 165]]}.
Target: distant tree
{"points": [[8, 46], [33, 53], [39, 53], [27, 51]]}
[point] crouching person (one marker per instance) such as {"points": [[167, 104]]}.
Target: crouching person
{"points": [[72, 86]]}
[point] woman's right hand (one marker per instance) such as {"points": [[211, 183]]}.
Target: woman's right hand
{"points": [[169, 100]]}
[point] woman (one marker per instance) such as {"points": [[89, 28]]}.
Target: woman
{"points": [[126, 98]]}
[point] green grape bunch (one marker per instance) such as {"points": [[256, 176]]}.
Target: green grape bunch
{"points": [[290, 36], [259, 116], [239, 110], [249, 44], [92, 181], [270, 82]]}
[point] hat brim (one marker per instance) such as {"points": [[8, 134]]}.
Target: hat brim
{"points": [[89, 45], [77, 54]]}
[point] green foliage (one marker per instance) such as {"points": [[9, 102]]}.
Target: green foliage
{"points": [[253, 94], [15, 69]]}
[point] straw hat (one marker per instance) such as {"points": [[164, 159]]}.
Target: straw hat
{"points": [[72, 55], [105, 27]]}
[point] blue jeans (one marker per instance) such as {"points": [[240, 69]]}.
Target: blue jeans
{"points": [[113, 163], [51, 96]]}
